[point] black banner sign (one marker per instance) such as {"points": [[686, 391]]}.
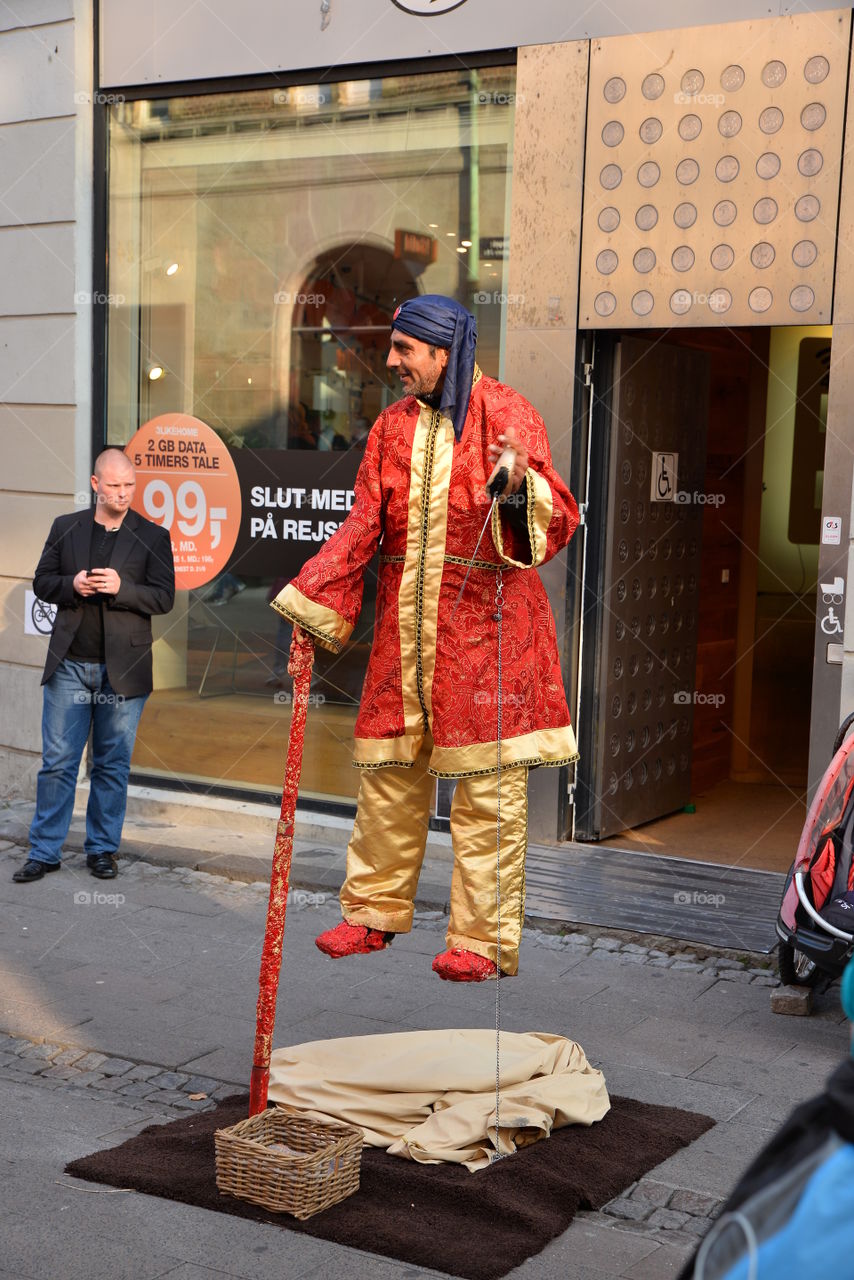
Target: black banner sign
{"points": [[292, 501]]}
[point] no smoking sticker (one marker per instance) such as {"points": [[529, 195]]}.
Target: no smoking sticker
{"points": [[187, 482]]}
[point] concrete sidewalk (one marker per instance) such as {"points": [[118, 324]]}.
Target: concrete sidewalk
{"points": [[120, 997]]}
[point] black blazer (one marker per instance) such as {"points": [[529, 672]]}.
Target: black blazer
{"points": [[142, 557]]}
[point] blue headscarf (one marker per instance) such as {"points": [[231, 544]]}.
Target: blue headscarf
{"points": [[444, 323]]}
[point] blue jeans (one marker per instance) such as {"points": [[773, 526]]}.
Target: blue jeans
{"points": [[78, 697]]}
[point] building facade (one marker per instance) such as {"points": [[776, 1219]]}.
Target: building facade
{"points": [[205, 226]]}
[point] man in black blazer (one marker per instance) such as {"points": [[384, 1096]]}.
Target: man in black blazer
{"points": [[108, 570]]}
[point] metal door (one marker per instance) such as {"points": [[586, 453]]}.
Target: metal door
{"points": [[647, 452]]}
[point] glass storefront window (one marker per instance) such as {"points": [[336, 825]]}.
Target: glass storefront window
{"points": [[258, 244]]}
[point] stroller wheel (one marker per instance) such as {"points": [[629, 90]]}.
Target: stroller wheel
{"points": [[796, 968]]}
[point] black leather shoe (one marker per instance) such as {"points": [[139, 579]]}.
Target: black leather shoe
{"points": [[34, 870], [102, 865]]}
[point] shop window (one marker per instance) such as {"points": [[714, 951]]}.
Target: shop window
{"points": [[258, 243]]}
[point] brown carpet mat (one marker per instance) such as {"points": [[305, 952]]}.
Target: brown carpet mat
{"points": [[475, 1225]]}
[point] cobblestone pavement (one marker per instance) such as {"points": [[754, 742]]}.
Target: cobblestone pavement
{"points": [[55, 1066], [667, 1023], [660, 952], [679, 1216]]}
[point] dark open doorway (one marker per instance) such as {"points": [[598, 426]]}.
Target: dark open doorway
{"points": [[719, 691]]}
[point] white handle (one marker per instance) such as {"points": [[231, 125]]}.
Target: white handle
{"points": [[507, 461]]}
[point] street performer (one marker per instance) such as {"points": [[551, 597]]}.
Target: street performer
{"points": [[429, 704]]}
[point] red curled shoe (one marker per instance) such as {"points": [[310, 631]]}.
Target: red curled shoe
{"points": [[464, 966], [352, 940]]}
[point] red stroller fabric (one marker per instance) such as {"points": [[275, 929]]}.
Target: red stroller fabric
{"points": [[817, 852]]}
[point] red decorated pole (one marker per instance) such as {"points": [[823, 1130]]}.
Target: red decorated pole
{"points": [[299, 667]]}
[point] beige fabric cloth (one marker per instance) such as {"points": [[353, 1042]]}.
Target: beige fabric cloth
{"points": [[430, 1095]]}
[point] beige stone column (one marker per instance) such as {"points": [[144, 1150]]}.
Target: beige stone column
{"points": [[833, 686], [46, 122], [545, 238]]}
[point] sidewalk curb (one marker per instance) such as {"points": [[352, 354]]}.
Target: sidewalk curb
{"points": [[318, 867]]}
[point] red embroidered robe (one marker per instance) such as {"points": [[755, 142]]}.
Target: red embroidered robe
{"points": [[420, 497]]}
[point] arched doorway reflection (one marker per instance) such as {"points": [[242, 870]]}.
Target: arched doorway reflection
{"points": [[341, 320]]}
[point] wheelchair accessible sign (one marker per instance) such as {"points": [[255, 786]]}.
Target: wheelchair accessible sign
{"points": [[186, 481]]}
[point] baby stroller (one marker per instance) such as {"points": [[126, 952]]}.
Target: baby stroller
{"points": [[816, 921]]}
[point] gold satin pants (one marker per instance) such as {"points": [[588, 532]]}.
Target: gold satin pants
{"points": [[387, 848]]}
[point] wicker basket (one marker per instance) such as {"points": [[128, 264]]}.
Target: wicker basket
{"points": [[318, 1166]]}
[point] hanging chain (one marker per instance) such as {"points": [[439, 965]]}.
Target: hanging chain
{"points": [[499, 602], [325, 6]]}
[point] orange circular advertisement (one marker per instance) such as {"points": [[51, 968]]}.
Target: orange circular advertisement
{"points": [[186, 481]]}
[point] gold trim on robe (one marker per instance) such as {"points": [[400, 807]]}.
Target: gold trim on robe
{"points": [[550, 747], [421, 579], [540, 508], [436, 536], [324, 625], [375, 753]]}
